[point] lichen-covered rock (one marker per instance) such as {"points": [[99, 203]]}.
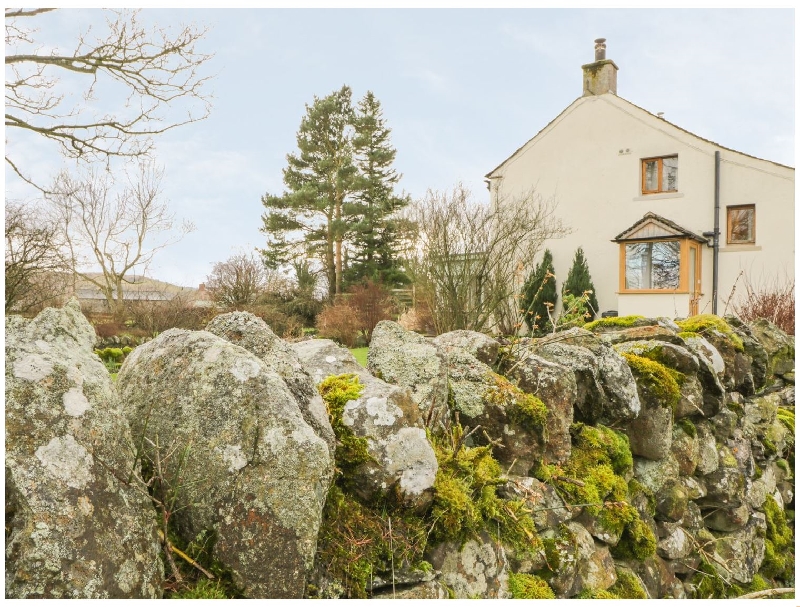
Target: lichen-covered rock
{"points": [[606, 390], [708, 460], [762, 427], [653, 474], [407, 359], [74, 527], [255, 473], [254, 335], [685, 446], [580, 563], [426, 590], [672, 499], [675, 542], [725, 485], [752, 348], [477, 569], [658, 578], [401, 457], [648, 333], [481, 346], [711, 370], [555, 385], [740, 554], [778, 346]]}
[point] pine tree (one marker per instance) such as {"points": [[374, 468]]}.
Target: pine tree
{"points": [[374, 237], [319, 180], [538, 291], [579, 281]]}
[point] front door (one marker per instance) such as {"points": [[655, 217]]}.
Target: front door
{"points": [[694, 277]]}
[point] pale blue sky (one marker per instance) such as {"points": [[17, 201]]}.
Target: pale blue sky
{"points": [[461, 90]]}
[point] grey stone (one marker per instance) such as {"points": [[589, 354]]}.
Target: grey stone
{"points": [[74, 527], [477, 569], [407, 359], [650, 434], [402, 459], [555, 385], [742, 552], [583, 564], [547, 508], [606, 390], [481, 346], [675, 542], [255, 336], [256, 473], [426, 590], [653, 474], [710, 373], [778, 346], [707, 461]]}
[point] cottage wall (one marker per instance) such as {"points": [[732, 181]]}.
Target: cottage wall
{"points": [[589, 160]]}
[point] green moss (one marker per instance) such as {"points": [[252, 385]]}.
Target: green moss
{"points": [[526, 586], [355, 544], [204, 589], [655, 379], [613, 321], [628, 585], [687, 426], [704, 323], [600, 460], [635, 488], [786, 417], [465, 502], [351, 450], [526, 410], [637, 541], [688, 334], [779, 549], [596, 594], [711, 585]]}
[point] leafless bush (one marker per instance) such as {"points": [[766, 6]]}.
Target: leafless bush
{"points": [[372, 303], [773, 300], [153, 317], [242, 280], [465, 256], [339, 322]]}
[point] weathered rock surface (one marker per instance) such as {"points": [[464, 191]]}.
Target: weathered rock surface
{"points": [[606, 390], [407, 359], [778, 346], [478, 569], [255, 473], [402, 458], [481, 346], [255, 336], [583, 564], [74, 527], [555, 385]]}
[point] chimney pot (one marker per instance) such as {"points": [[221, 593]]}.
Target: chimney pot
{"points": [[202, 286], [600, 49]]}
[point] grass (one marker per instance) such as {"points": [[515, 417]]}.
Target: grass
{"points": [[361, 355]]}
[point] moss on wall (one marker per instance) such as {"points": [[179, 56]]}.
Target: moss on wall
{"points": [[621, 322], [704, 323], [527, 586], [655, 379]]}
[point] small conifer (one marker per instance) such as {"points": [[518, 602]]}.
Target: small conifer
{"points": [[579, 281], [539, 292]]}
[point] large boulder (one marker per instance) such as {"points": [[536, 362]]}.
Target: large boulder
{"points": [[254, 335], [606, 388], [407, 359], [555, 385], [401, 457], [252, 471], [79, 521], [481, 346], [476, 569]]}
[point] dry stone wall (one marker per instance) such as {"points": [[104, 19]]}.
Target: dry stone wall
{"points": [[632, 458]]}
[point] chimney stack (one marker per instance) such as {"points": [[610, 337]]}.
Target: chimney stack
{"points": [[600, 77]]}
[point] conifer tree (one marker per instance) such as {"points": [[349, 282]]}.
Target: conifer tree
{"points": [[579, 281], [374, 237], [538, 291], [319, 179]]}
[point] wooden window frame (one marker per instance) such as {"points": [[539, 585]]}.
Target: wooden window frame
{"points": [[660, 178], [739, 207], [683, 257]]}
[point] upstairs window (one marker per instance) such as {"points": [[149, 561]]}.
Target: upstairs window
{"points": [[742, 224], [660, 175]]}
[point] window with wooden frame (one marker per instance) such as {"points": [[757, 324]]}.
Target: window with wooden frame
{"points": [[659, 266], [660, 175], [742, 224]]}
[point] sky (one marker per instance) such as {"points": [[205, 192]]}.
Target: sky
{"points": [[461, 90]]}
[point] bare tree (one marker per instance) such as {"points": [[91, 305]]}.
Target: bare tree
{"points": [[35, 273], [241, 281], [159, 69], [467, 260], [116, 230]]}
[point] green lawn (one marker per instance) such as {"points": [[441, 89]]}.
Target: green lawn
{"points": [[361, 355]]}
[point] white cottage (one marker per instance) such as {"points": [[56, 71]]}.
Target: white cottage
{"points": [[645, 198]]}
